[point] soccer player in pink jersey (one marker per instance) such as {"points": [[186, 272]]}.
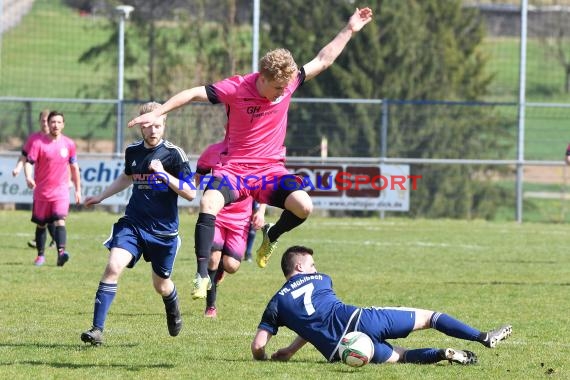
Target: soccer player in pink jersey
{"points": [[44, 130], [231, 228], [256, 105], [53, 156]]}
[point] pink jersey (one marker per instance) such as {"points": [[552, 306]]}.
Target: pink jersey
{"points": [[210, 157], [30, 140], [237, 214], [51, 159], [256, 126]]}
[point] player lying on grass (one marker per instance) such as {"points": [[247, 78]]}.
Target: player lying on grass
{"points": [[307, 304]]}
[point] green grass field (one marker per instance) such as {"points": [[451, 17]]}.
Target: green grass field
{"points": [[481, 272]]}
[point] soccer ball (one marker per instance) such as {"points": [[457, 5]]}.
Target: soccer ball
{"points": [[356, 349]]}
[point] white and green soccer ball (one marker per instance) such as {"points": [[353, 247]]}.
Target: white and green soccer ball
{"points": [[356, 349]]}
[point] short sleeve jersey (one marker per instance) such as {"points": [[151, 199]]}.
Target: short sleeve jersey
{"points": [[51, 159], [153, 205], [236, 213], [256, 126], [307, 304]]}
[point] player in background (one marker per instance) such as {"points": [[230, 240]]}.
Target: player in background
{"points": [[307, 304], [256, 105], [149, 228], [44, 130], [567, 158], [251, 234], [231, 229], [53, 156]]}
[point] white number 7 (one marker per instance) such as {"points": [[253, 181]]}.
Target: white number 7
{"points": [[305, 291]]}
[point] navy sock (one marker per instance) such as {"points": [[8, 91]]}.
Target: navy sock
{"points": [[250, 240], [211, 294], [424, 356], [103, 299], [203, 239], [287, 221], [40, 240], [171, 301], [60, 238], [452, 327]]}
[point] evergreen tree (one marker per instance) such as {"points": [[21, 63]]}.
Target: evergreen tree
{"points": [[414, 51]]}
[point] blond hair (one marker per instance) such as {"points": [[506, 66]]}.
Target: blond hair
{"points": [[278, 65], [43, 114]]}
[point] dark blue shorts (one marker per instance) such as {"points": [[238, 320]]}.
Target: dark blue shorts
{"points": [[385, 323], [159, 250]]}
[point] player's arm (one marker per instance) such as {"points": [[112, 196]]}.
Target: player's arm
{"points": [[332, 50], [258, 344], [285, 353], [119, 184], [76, 179], [185, 189], [195, 94], [258, 217], [28, 172], [19, 165]]}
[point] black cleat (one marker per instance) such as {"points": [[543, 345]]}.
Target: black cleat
{"points": [[497, 335], [32, 244], [93, 336], [62, 258], [174, 321]]}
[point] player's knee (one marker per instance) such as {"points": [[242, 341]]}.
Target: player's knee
{"points": [[162, 286]]}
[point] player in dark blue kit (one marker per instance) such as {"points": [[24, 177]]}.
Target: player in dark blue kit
{"points": [[307, 304], [149, 228]]}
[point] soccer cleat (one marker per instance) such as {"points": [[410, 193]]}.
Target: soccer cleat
{"points": [[460, 357], [39, 261], [32, 244], [497, 335], [93, 336], [62, 258], [174, 321], [211, 312], [201, 285], [51, 244], [266, 248]]}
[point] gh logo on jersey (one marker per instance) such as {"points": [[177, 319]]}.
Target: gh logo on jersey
{"points": [[158, 181], [253, 110]]}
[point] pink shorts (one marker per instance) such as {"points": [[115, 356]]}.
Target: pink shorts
{"points": [[231, 241], [270, 183], [44, 212]]}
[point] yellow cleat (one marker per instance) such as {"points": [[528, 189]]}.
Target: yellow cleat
{"points": [[200, 285], [266, 248]]}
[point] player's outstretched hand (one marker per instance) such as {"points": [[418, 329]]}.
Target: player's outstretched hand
{"points": [[360, 18], [144, 120], [281, 355], [90, 201]]}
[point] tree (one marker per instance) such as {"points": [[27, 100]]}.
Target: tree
{"points": [[416, 51], [169, 48]]}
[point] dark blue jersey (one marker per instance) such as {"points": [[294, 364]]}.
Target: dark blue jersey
{"points": [[153, 205], [308, 305]]}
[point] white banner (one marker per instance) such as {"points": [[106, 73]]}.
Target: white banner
{"points": [[331, 186]]}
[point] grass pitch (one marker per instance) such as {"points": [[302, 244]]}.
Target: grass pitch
{"points": [[484, 273]]}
